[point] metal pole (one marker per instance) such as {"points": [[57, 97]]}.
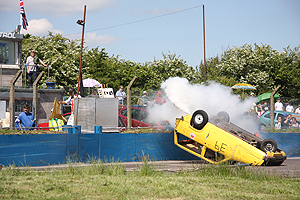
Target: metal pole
{"points": [[204, 47]]}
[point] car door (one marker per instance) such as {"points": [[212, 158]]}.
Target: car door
{"points": [[140, 118]]}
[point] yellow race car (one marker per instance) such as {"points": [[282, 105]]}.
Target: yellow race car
{"points": [[220, 141]]}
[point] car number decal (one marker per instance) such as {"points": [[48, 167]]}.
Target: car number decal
{"points": [[220, 147]]}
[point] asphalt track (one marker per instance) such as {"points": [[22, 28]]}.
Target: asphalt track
{"points": [[290, 167]]}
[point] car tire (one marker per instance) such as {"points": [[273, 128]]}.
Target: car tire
{"points": [[268, 145], [223, 117], [199, 119]]}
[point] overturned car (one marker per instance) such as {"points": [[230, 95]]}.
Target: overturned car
{"points": [[220, 141]]}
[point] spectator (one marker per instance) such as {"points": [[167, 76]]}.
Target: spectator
{"points": [[31, 63], [289, 108], [72, 97], [25, 119], [145, 99], [259, 110], [287, 121], [94, 92], [55, 124], [159, 100], [265, 107], [297, 111], [253, 110], [294, 123], [278, 123], [120, 94], [278, 105]]}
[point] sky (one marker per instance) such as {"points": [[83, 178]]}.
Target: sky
{"points": [[142, 30]]}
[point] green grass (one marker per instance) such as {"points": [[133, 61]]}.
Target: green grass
{"points": [[101, 181], [29, 132], [268, 129]]}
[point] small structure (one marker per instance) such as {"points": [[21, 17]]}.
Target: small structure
{"points": [[10, 57]]}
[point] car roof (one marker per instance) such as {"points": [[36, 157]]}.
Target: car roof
{"points": [[281, 112]]}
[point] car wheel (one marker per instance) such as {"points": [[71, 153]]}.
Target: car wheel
{"points": [[199, 119], [268, 145], [223, 117]]}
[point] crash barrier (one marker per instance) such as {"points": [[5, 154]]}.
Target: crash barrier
{"points": [[49, 149], [288, 142]]}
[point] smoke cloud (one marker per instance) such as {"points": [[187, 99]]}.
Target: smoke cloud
{"points": [[185, 98]]}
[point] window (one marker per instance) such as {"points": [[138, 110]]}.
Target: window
{"points": [[124, 113], [7, 52], [20, 104]]}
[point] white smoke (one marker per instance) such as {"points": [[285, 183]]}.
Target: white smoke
{"points": [[187, 98]]}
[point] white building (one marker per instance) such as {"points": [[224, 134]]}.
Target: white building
{"points": [[10, 57]]}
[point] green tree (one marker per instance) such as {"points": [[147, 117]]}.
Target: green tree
{"points": [[171, 66], [286, 71], [61, 53]]}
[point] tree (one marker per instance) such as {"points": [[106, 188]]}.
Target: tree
{"points": [[171, 66], [286, 71], [61, 53]]}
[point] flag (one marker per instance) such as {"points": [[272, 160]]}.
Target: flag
{"points": [[22, 12], [56, 111]]}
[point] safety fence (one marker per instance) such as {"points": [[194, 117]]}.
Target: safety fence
{"points": [[49, 149]]}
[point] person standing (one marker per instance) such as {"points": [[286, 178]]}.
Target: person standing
{"points": [[297, 111], [25, 119], [289, 108], [94, 92], [144, 99], [159, 100], [265, 107], [120, 94], [31, 63], [73, 96], [278, 105], [70, 101]]}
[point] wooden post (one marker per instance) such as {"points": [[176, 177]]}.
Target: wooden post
{"points": [[35, 96], [82, 38], [129, 124], [80, 63], [12, 98], [272, 106]]}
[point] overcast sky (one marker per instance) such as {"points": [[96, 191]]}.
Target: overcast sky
{"points": [[141, 30]]}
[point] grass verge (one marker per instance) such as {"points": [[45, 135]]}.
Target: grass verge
{"points": [[99, 181]]}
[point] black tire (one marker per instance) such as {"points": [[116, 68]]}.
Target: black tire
{"points": [[223, 117], [268, 145], [199, 119]]}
